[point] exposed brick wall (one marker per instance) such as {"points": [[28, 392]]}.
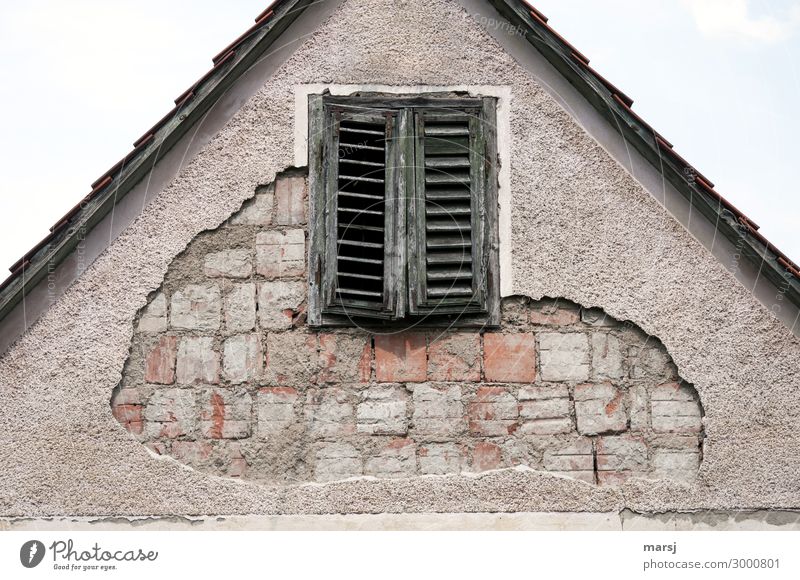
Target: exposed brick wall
{"points": [[225, 376]]}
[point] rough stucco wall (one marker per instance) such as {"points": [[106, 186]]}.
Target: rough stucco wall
{"points": [[582, 229]]}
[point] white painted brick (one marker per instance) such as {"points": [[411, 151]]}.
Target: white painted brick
{"points": [[240, 308], [277, 300], [196, 307], [154, 315], [564, 356]]}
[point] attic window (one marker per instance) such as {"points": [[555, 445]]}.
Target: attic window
{"points": [[403, 200]]}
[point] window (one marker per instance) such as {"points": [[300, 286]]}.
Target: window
{"points": [[403, 208]]}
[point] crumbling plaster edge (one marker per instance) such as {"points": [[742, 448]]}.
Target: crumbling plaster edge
{"points": [[503, 95]]}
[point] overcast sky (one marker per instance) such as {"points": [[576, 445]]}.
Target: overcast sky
{"points": [[85, 78]]}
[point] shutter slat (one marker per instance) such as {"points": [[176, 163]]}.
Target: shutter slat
{"points": [[448, 225], [361, 162], [359, 259], [447, 178], [458, 290], [362, 131], [359, 292], [360, 195], [362, 276], [450, 274], [449, 242], [434, 258], [435, 210], [448, 194], [359, 243], [360, 211], [361, 227], [446, 161], [346, 146], [446, 130], [360, 178]]}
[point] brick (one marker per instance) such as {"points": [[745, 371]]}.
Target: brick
{"points": [[154, 315], [198, 362], [637, 404], [544, 410], [674, 409], [281, 254], [170, 413], [440, 458], [621, 453], [275, 408], [329, 412], [236, 263], [160, 361], [337, 461], [243, 359], [599, 408], [397, 459], [290, 194], [129, 416], [438, 410], [256, 211], [607, 357], [486, 456], [240, 308], [574, 459], [564, 356], [509, 358], [237, 465], [345, 358], [292, 359], [400, 357], [454, 357], [196, 307], [596, 317], [493, 412], [383, 411], [554, 313], [225, 414], [193, 453], [277, 303], [651, 361]]}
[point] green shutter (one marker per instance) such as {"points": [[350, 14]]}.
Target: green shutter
{"points": [[448, 262], [361, 180]]}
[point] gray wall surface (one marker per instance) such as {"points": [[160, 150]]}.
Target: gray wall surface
{"points": [[582, 228]]}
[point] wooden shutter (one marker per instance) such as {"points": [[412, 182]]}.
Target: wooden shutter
{"points": [[447, 255], [360, 278]]}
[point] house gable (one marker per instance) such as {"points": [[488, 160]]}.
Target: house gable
{"points": [[567, 200]]}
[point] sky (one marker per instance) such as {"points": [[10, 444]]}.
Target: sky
{"points": [[85, 78]]}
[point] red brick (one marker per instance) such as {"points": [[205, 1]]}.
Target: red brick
{"points": [[127, 413], [455, 357], [401, 357], [486, 456], [493, 412], [509, 357], [344, 358], [160, 363]]}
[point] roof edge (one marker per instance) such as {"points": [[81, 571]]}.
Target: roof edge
{"points": [[112, 186]]}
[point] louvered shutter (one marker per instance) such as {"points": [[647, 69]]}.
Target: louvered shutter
{"points": [[447, 257], [360, 213]]}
